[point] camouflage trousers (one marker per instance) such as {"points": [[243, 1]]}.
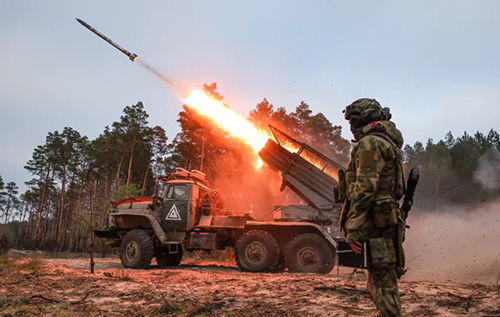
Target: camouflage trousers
{"points": [[384, 292]]}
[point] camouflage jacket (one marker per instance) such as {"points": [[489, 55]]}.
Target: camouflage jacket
{"points": [[374, 162]]}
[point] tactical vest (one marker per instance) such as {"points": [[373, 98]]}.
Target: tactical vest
{"points": [[392, 177], [385, 226], [385, 210]]}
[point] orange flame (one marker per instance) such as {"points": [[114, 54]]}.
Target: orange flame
{"points": [[228, 120]]}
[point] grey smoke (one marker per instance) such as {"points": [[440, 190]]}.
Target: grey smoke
{"points": [[454, 243], [155, 72], [487, 173]]}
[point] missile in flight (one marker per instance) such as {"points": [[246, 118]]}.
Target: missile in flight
{"points": [[131, 56]]}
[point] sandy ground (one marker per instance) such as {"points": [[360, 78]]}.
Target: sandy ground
{"points": [[209, 288]]}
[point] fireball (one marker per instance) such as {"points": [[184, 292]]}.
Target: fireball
{"points": [[228, 120]]}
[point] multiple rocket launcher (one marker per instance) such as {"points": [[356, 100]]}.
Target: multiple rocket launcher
{"points": [[308, 181]]}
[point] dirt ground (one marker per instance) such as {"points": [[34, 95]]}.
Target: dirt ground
{"points": [[37, 285]]}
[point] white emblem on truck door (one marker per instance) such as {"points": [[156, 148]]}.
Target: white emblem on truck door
{"points": [[173, 214]]}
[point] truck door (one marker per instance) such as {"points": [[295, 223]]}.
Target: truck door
{"points": [[175, 207]]}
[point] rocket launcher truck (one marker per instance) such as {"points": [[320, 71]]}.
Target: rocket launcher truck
{"points": [[188, 215]]}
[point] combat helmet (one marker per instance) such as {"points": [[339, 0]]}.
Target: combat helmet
{"points": [[363, 111], [367, 110]]}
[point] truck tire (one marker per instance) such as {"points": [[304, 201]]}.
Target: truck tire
{"points": [[309, 253], [169, 259], [257, 251], [136, 250]]}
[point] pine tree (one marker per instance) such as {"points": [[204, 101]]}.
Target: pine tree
{"points": [[11, 203]]}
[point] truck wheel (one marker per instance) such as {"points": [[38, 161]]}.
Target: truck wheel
{"points": [[257, 251], [309, 253], [172, 259], [136, 250]]}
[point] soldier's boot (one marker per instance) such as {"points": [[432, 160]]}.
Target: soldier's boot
{"points": [[383, 288]]}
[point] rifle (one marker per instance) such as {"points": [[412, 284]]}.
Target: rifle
{"points": [[411, 185]]}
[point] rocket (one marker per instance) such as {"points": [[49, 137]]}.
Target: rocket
{"points": [[131, 56]]}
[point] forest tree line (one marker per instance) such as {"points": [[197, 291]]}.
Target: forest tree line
{"points": [[72, 175]]}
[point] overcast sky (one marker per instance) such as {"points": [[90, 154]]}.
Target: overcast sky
{"points": [[434, 63]]}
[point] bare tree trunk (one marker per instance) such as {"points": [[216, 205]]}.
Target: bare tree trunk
{"points": [[74, 237], [27, 229], [71, 239], [82, 187], [39, 243], [39, 210], [118, 172], [146, 175], [61, 206], [66, 221], [21, 221], [106, 184], [48, 207], [7, 210], [52, 229], [129, 177], [45, 220], [92, 263], [42, 238]]}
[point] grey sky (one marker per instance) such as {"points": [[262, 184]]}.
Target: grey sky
{"points": [[434, 63]]}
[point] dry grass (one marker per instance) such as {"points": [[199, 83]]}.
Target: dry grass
{"points": [[215, 255], [15, 264], [5, 244], [167, 308], [203, 289], [123, 276], [18, 271]]}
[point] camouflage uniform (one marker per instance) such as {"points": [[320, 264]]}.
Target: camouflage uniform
{"points": [[375, 185]]}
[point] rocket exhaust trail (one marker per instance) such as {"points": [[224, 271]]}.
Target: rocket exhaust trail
{"points": [[156, 72], [132, 56]]}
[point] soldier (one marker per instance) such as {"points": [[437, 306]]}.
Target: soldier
{"points": [[375, 185]]}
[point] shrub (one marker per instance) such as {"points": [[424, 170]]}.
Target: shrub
{"points": [[5, 244]]}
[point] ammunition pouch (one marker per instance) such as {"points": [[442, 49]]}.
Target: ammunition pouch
{"points": [[382, 253], [385, 213], [385, 249], [350, 182], [343, 215], [343, 189], [340, 190]]}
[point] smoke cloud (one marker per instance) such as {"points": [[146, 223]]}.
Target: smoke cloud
{"points": [[454, 244], [487, 173], [247, 189], [156, 72]]}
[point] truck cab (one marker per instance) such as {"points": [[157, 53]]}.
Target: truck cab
{"points": [[182, 201]]}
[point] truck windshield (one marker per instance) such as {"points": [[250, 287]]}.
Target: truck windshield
{"points": [[176, 192]]}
